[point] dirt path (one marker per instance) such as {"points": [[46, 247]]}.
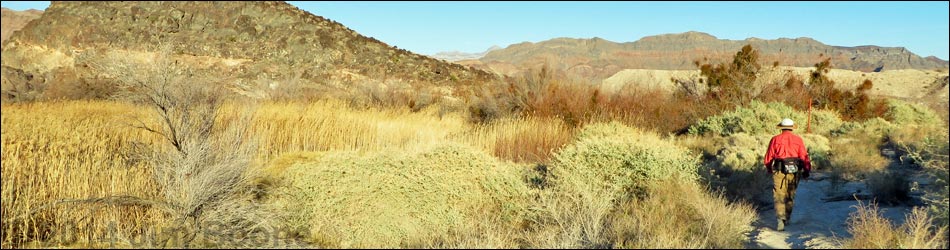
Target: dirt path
{"points": [[815, 223]]}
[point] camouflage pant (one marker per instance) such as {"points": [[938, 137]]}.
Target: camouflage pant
{"points": [[784, 194]]}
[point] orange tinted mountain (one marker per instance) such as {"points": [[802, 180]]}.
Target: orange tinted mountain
{"points": [[597, 57], [12, 20]]}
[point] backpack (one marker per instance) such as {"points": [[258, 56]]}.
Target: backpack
{"points": [[791, 165]]}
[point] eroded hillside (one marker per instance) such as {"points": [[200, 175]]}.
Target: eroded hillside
{"points": [[260, 45]]}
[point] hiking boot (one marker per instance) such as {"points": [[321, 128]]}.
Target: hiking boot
{"points": [[781, 225]]}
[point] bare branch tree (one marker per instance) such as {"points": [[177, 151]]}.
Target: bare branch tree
{"points": [[205, 169]]}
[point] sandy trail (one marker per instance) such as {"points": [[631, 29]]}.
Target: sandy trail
{"points": [[815, 223]]}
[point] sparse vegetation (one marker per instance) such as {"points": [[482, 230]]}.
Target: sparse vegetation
{"points": [[872, 231], [926, 144], [852, 105], [541, 160], [339, 128]]}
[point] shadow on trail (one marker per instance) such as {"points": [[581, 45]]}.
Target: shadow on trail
{"points": [[815, 222]]}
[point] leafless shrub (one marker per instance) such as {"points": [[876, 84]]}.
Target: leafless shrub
{"points": [[204, 170]]}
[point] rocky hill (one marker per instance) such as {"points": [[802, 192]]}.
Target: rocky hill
{"points": [[260, 43], [599, 58], [11, 20]]}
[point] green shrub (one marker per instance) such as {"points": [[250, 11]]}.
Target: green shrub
{"points": [[618, 186], [872, 131], [822, 122], [760, 118], [878, 127], [819, 150], [904, 113], [395, 198], [617, 160], [938, 202], [737, 168], [744, 151], [929, 147], [933, 156]]}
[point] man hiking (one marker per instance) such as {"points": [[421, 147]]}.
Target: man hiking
{"points": [[786, 161]]}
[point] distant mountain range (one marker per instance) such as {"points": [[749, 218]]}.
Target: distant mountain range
{"points": [[452, 56], [598, 57]]}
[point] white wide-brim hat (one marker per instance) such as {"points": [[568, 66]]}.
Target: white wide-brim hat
{"points": [[786, 124]]}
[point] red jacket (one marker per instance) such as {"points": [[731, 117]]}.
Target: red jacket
{"points": [[786, 145]]}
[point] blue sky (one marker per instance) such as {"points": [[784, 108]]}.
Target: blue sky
{"points": [[430, 27]]}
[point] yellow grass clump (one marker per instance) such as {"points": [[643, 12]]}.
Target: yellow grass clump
{"points": [[330, 125], [529, 139]]}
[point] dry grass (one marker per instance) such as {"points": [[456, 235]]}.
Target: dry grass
{"points": [[856, 158], [871, 230], [681, 215], [331, 125], [856, 148], [48, 156], [530, 139], [54, 152]]}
